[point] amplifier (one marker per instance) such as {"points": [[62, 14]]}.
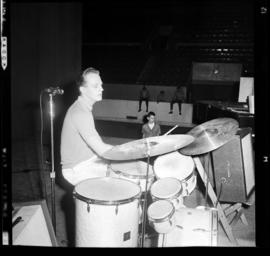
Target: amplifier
{"points": [[233, 168]]}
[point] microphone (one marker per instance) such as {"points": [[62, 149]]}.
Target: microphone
{"points": [[54, 90]]}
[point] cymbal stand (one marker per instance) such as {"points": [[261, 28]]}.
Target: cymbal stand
{"points": [[145, 194], [163, 240], [207, 180]]}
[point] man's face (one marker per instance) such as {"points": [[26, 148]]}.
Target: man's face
{"points": [[92, 87]]}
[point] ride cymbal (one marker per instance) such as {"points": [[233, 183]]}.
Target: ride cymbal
{"points": [[210, 136], [151, 146]]}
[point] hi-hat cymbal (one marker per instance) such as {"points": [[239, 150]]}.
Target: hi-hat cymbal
{"points": [[151, 146], [210, 136]]}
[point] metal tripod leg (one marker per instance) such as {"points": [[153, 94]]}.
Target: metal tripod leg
{"points": [[238, 208], [211, 193]]}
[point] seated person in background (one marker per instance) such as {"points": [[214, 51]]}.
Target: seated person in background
{"points": [[151, 128], [144, 96], [178, 97], [161, 97], [81, 145]]}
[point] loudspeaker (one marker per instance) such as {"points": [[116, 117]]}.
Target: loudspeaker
{"points": [[233, 168], [31, 225]]}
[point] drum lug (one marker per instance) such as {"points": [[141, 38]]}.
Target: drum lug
{"points": [[116, 209], [186, 188], [88, 207]]}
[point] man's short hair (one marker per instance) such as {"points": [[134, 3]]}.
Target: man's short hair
{"points": [[81, 80], [151, 113]]}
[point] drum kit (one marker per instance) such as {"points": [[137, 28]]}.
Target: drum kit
{"points": [[110, 209]]}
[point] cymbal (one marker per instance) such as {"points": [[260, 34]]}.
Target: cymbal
{"points": [[151, 146], [210, 136]]}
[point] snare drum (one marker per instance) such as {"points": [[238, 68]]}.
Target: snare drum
{"points": [[107, 213], [134, 171], [161, 216], [177, 166], [169, 189]]}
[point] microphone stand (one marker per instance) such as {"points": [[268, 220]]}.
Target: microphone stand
{"points": [[52, 173]]}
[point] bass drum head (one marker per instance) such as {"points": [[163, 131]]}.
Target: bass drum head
{"points": [[107, 190], [173, 165]]}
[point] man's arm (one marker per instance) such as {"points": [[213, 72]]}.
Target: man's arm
{"points": [[85, 125]]}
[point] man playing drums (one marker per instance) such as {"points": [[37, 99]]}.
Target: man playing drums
{"points": [[81, 145]]}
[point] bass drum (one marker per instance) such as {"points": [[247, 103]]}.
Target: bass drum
{"points": [[193, 227]]}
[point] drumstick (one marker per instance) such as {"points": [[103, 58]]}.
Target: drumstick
{"points": [[171, 130]]}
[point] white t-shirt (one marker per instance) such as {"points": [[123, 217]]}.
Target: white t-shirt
{"points": [[151, 125], [78, 124]]}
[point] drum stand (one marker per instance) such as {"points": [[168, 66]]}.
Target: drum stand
{"points": [[145, 194], [164, 238], [211, 193]]}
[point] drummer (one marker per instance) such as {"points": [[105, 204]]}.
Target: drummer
{"points": [[151, 128], [81, 145]]}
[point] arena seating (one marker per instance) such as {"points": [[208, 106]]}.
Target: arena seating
{"points": [[127, 111]]}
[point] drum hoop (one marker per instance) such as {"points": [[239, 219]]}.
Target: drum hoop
{"points": [[105, 202], [172, 197], [164, 218], [133, 176]]}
